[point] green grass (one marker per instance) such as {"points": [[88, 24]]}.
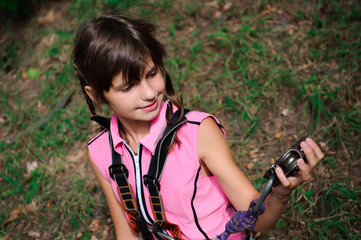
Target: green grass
{"points": [[248, 66]]}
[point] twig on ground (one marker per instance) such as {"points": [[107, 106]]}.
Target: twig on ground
{"points": [[41, 122]]}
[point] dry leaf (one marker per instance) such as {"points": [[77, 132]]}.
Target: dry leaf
{"points": [[94, 225], [278, 135], [31, 166], [13, 215], [79, 235], [331, 153], [106, 232], [31, 207], [50, 17], [77, 156], [34, 234], [73, 22], [285, 112], [249, 166], [23, 75], [211, 4], [258, 234], [41, 107], [254, 153], [217, 15], [227, 7]]}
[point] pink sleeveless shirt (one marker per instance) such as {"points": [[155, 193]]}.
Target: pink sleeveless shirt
{"points": [[196, 203]]}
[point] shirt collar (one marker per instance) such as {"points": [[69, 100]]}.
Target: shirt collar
{"points": [[157, 127]]}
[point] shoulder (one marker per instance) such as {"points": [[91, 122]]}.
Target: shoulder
{"points": [[99, 138], [198, 118], [100, 153]]}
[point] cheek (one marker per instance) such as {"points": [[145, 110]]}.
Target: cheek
{"points": [[161, 84]]}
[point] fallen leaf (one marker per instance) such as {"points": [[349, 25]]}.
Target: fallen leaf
{"points": [[258, 234], [41, 107], [49, 17], [34, 234], [211, 4], [106, 232], [77, 156], [23, 75], [285, 112], [331, 152], [93, 238], [254, 153], [217, 15], [79, 235], [94, 225], [31, 166], [73, 22], [13, 215], [31, 207], [278, 135], [227, 7], [249, 166]]}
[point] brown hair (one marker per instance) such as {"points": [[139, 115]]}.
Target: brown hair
{"points": [[111, 44]]}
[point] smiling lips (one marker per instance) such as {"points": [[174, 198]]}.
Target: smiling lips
{"points": [[150, 107]]}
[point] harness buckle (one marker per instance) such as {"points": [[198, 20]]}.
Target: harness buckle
{"points": [[118, 169], [150, 180]]}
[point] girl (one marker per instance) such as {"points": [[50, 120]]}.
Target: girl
{"points": [[119, 62]]}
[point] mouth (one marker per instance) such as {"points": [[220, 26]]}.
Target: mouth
{"points": [[150, 107]]}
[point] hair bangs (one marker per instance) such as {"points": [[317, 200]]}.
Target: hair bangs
{"points": [[131, 62]]}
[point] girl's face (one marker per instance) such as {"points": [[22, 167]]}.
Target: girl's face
{"points": [[139, 102]]}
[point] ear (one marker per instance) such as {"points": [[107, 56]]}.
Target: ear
{"points": [[90, 92]]}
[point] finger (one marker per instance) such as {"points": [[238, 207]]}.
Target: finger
{"points": [[310, 154], [304, 170], [318, 153], [282, 177]]}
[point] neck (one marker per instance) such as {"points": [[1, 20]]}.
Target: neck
{"points": [[133, 133]]}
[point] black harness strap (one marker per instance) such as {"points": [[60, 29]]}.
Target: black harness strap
{"points": [[119, 173], [151, 180]]}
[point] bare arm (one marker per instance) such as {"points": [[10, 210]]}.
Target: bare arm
{"points": [[121, 226], [215, 157]]}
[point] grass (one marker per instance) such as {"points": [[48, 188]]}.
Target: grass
{"points": [[270, 71]]}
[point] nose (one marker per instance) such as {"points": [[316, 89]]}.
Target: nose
{"points": [[147, 90]]}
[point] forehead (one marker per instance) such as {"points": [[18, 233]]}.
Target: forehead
{"points": [[129, 76]]}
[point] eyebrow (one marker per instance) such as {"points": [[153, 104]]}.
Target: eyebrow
{"points": [[151, 69]]}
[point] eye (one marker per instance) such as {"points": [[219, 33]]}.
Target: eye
{"points": [[126, 88], [152, 74]]}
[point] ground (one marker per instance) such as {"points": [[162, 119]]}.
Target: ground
{"points": [[299, 72]]}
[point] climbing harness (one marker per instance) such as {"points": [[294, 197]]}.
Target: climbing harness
{"points": [[119, 173]]}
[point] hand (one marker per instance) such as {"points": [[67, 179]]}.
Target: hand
{"points": [[313, 155]]}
